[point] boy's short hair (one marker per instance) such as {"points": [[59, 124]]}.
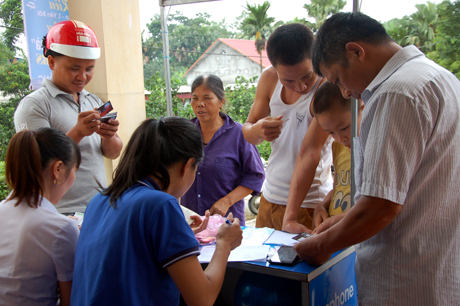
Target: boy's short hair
{"points": [[290, 44], [340, 29], [329, 96]]}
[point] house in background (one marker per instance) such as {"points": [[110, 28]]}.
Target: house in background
{"points": [[227, 58]]}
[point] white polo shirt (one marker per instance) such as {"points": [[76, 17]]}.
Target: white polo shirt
{"points": [[37, 249], [410, 146]]}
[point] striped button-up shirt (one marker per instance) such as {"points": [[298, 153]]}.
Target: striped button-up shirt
{"points": [[410, 154]]}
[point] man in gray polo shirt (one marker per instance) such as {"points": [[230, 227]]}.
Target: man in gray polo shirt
{"points": [[62, 103]]}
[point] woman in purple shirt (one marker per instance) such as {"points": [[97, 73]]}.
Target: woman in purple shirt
{"points": [[231, 168]]}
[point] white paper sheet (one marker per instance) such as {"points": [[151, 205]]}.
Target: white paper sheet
{"points": [[281, 238], [241, 253], [256, 236]]}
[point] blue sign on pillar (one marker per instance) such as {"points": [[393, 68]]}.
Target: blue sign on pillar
{"points": [[39, 16]]}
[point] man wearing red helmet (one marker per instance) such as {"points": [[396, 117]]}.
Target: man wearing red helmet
{"points": [[71, 48]]}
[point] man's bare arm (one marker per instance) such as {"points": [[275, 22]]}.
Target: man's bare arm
{"points": [[368, 216], [259, 125], [111, 148], [303, 175]]}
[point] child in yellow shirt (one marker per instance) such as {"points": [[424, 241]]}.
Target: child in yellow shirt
{"points": [[333, 113]]}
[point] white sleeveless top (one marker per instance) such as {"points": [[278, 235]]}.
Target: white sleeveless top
{"points": [[285, 149]]}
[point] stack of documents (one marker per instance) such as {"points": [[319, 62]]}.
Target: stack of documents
{"points": [[255, 245]]}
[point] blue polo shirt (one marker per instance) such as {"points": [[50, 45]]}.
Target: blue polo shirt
{"points": [[123, 252]]}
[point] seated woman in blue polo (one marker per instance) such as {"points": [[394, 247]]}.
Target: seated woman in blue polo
{"points": [[135, 247]]}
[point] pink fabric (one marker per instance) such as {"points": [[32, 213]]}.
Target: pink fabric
{"points": [[208, 236]]}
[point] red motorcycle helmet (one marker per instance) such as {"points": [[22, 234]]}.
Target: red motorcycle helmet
{"points": [[72, 38]]}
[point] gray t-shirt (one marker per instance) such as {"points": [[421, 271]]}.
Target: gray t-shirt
{"points": [[51, 107]]}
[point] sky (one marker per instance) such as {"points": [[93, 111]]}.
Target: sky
{"points": [[285, 10], [381, 10]]}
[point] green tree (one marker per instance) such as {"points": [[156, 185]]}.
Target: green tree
{"points": [[265, 150], [156, 106], [6, 126], [418, 29], [255, 19], [257, 24], [14, 77], [11, 19], [448, 37], [4, 190], [240, 98], [424, 29], [188, 39], [6, 55], [14, 82], [399, 29], [321, 10]]}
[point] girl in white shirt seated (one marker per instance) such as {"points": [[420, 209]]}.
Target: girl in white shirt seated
{"points": [[37, 244]]}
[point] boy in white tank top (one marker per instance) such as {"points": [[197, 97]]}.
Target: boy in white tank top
{"points": [[298, 175]]}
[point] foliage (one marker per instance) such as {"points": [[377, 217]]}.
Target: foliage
{"points": [[5, 54], [4, 188], [418, 29], [156, 106], [240, 98], [448, 37], [188, 39], [6, 132], [11, 18], [321, 10], [14, 77], [14, 81], [265, 150], [258, 24], [398, 29], [151, 68], [425, 20], [6, 126], [257, 21]]}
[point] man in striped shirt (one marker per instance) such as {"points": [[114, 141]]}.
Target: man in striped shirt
{"points": [[406, 224]]}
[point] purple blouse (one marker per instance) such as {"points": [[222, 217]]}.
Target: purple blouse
{"points": [[229, 161]]}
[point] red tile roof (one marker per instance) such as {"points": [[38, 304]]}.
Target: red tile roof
{"points": [[245, 47]]}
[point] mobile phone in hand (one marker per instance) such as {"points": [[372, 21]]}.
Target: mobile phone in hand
{"points": [[105, 109], [106, 118]]}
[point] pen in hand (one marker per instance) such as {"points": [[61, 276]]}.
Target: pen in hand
{"points": [[228, 222]]}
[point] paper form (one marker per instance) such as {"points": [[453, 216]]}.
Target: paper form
{"points": [[281, 238], [241, 253]]}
